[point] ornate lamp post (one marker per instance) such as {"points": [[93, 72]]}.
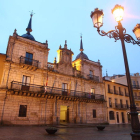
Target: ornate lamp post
{"points": [[120, 33]]}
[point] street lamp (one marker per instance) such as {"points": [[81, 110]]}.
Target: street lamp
{"points": [[120, 34]]}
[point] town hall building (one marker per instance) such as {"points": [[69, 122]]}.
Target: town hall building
{"points": [[34, 91]]}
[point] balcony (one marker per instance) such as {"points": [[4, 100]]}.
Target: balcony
{"points": [[116, 92], [136, 86], [110, 91], [127, 94], [93, 77], [28, 61], [120, 106], [138, 108], [54, 91], [137, 97], [121, 93]]}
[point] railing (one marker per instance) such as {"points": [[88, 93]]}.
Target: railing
{"points": [[110, 91], [53, 90], [116, 92], [93, 77], [137, 97], [28, 61], [138, 108], [121, 93], [120, 106], [50, 66], [110, 105], [127, 94], [136, 86]]}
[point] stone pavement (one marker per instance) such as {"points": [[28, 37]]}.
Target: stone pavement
{"points": [[111, 132]]}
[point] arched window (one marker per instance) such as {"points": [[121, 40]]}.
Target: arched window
{"points": [[111, 115]]}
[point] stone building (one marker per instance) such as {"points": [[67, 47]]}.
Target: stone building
{"points": [[35, 91], [118, 104], [135, 80]]}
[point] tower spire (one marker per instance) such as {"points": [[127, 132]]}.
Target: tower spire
{"points": [[81, 45], [29, 28]]}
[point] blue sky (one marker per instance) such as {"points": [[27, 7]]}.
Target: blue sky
{"points": [[60, 20]]}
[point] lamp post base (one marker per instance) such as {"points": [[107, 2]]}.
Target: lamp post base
{"points": [[135, 136]]}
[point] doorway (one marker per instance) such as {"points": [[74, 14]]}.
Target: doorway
{"points": [[64, 114], [117, 117]]}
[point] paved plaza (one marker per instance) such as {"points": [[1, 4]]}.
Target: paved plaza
{"points": [[111, 132]]}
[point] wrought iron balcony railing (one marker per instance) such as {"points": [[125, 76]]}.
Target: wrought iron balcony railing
{"points": [[136, 86], [110, 91], [53, 90], [127, 94], [93, 77], [28, 61], [138, 108], [120, 106], [121, 93], [116, 92], [137, 97]]}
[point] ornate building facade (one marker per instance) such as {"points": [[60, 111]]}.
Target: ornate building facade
{"points": [[35, 91]]}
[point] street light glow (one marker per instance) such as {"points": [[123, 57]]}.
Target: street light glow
{"points": [[118, 12]]}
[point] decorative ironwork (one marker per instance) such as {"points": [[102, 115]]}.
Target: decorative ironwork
{"points": [[115, 34], [28, 61], [39, 91]]}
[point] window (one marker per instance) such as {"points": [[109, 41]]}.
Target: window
{"points": [[121, 103], [110, 103], [134, 83], [94, 113], [114, 89], [64, 88], [119, 90], [137, 104], [111, 115], [22, 111], [116, 103], [127, 104], [26, 82], [138, 83], [90, 72], [29, 58], [92, 91], [108, 88]]}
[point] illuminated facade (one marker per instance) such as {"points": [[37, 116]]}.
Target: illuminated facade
{"points": [[35, 91], [135, 80], [117, 98]]}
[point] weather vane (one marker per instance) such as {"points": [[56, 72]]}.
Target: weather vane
{"points": [[31, 13]]}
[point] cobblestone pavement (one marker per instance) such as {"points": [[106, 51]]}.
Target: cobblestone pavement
{"points": [[111, 132]]}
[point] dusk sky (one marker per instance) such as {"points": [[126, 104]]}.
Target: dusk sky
{"points": [[60, 20]]}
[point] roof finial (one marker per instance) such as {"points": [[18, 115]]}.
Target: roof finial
{"points": [[60, 46], [65, 46], [81, 44], [106, 73], [29, 28]]}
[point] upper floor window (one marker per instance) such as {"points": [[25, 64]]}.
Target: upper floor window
{"points": [[108, 88], [114, 89], [127, 103], [92, 90], [110, 102], [29, 58], [119, 90], [90, 72], [26, 82], [64, 88], [134, 83]]}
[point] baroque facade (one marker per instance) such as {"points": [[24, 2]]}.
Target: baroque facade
{"points": [[35, 91]]}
